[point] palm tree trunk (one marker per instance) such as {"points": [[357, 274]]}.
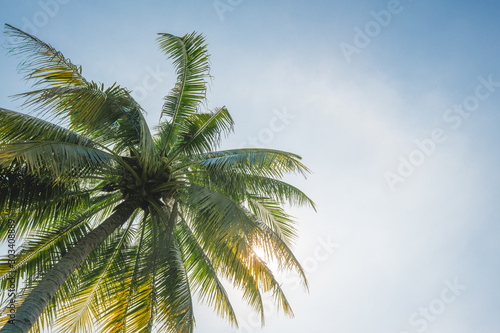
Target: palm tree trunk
{"points": [[40, 296]]}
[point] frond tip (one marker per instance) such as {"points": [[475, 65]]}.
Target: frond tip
{"points": [[191, 61], [43, 64]]}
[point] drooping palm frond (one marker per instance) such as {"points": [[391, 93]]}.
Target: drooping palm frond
{"points": [[89, 107], [231, 249], [117, 316], [274, 216], [174, 294], [43, 250], [276, 249], [217, 214], [231, 260], [203, 274], [268, 283], [46, 245], [107, 115], [95, 289], [17, 127], [46, 65], [243, 184], [130, 308]]}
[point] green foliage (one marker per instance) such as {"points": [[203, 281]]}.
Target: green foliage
{"points": [[203, 213]]}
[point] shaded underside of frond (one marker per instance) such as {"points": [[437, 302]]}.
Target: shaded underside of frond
{"points": [[34, 201]]}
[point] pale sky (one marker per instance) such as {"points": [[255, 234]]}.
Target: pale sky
{"points": [[394, 106]]}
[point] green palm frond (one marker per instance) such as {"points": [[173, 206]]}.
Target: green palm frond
{"points": [[96, 291], [45, 65], [33, 201], [203, 274], [276, 249], [18, 127], [232, 264], [268, 283], [108, 115], [117, 314], [89, 107], [43, 251], [218, 216], [275, 217], [80, 299], [136, 307], [203, 132], [64, 161], [243, 184], [45, 246], [257, 161], [175, 304], [191, 61]]}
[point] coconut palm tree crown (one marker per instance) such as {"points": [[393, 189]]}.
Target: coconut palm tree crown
{"points": [[121, 226]]}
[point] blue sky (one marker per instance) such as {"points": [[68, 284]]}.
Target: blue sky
{"points": [[401, 136]]}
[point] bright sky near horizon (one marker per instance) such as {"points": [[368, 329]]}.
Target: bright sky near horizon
{"points": [[394, 106]]}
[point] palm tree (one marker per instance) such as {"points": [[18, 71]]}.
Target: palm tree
{"points": [[122, 226]]}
